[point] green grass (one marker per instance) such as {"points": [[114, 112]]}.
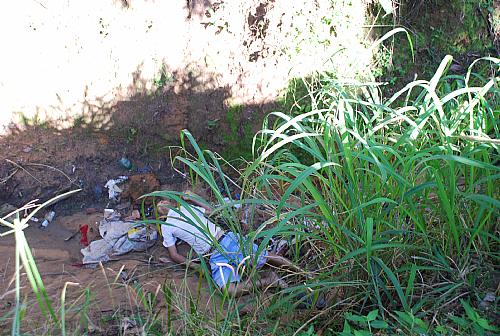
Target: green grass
{"points": [[239, 134], [403, 193], [438, 28]]}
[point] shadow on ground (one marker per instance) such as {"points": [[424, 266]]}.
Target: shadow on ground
{"points": [[40, 159]]}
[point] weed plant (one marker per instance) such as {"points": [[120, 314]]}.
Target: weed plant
{"points": [[391, 205]]}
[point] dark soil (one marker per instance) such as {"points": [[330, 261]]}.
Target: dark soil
{"points": [[41, 163]]}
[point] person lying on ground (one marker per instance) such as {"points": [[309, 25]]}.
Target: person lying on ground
{"points": [[227, 249]]}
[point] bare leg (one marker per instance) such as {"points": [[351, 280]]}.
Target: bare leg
{"points": [[279, 262], [268, 279]]}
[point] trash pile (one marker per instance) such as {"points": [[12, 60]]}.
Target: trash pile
{"points": [[118, 237], [135, 186]]}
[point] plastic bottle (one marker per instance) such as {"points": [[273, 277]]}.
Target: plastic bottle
{"points": [[48, 218], [125, 163]]}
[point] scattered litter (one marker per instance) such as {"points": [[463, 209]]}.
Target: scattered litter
{"points": [[34, 219], [119, 237], [83, 230], [48, 219], [125, 163], [311, 226], [113, 190], [73, 169], [110, 214], [27, 149]]}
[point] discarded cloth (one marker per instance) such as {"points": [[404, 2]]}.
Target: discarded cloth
{"points": [[119, 237]]}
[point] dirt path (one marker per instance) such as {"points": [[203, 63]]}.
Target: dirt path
{"points": [[114, 289]]}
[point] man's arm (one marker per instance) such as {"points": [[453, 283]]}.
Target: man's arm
{"points": [[180, 259]]}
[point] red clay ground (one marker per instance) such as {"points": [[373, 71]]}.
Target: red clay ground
{"points": [[58, 262], [42, 162]]}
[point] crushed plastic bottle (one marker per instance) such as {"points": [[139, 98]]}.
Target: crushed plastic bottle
{"points": [[48, 219], [125, 163]]}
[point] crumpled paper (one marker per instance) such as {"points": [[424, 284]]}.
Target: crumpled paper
{"points": [[113, 190]]}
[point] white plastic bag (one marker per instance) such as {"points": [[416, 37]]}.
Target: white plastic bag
{"points": [[119, 237]]}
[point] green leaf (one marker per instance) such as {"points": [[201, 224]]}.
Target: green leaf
{"points": [[378, 324], [362, 333], [356, 318], [347, 327], [394, 281], [372, 315], [405, 317], [459, 320], [471, 313], [483, 323]]}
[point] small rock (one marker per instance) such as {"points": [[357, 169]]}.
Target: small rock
{"points": [[456, 68], [139, 185]]}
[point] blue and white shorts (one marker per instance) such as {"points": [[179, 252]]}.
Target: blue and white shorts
{"points": [[229, 258]]}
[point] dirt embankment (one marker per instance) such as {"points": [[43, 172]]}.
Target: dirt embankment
{"points": [[84, 84], [87, 83]]}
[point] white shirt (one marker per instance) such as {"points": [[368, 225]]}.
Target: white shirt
{"points": [[197, 231]]}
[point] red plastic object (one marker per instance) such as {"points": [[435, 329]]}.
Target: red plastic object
{"points": [[83, 230]]}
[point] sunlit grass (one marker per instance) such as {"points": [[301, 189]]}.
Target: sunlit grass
{"points": [[402, 194]]}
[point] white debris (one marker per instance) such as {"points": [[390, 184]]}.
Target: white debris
{"points": [[119, 237], [113, 190], [48, 219]]}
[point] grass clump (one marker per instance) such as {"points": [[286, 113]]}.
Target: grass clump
{"points": [[391, 205], [464, 29]]}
